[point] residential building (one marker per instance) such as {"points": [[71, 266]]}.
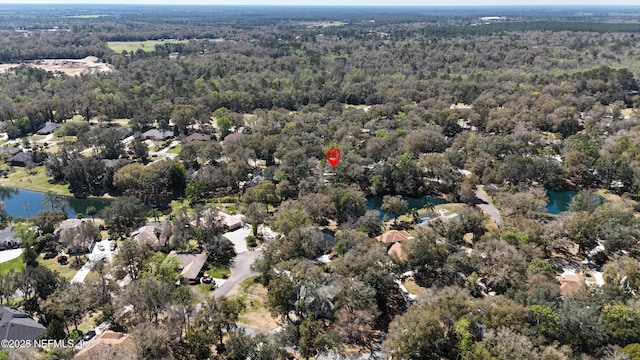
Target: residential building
{"points": [[16, 325]]}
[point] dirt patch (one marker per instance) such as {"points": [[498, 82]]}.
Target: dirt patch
{"points": [[72, 67], [256, 314]]}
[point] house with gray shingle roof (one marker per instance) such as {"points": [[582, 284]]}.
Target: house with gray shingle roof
{"points": [[48, 128], [155, 134], [16, 325]]}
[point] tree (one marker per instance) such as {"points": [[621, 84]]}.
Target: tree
{"points": [[467, 193], [218, 316], [224, 125], [256, 215], [77, 239], [131, 257], [149, 297], [152, 342], [123, 214], [183, 116], [140, 150], [394, 205], [264, 192], [91, 211], [350, 203], [55, 201]]}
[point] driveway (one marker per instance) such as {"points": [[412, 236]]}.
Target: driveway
{"points": [[488, 208], [240, 270], [7, 255], [95, 256], [239, 238]]}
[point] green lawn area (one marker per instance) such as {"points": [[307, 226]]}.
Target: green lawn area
{"points": [[218, 272], [39, 181], [16, 264], [202, 291], [36, 137], [146, 46], [175, 150], [66, 271]]}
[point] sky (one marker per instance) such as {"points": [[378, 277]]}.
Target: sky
{"points": [[475, 3]]}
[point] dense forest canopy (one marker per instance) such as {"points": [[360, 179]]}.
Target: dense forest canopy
{"points": [[199, 107]]}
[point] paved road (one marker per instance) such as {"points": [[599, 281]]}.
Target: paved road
{"points": [[240, 270], [7, 255], [488, 208]]}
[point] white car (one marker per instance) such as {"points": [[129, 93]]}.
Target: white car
{"points": [[100, 247]]}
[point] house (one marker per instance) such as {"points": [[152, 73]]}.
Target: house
{"points": [[16, 325], [124, 131], [21, 159], [77, 246], [109, 344], [156, 237], [198, 137], [190, 264], [324, 238], [155, 134], [48, 128], [13, 150], [229, 222], [394, 239], [232, 136], [425, 219], [570, 283], [8, 239], [397, 250], [319, 301], [115, 163], [393, 236]]}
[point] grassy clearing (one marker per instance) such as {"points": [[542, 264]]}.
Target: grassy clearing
{"points": [[146, 46], [175, 150], [256, 313], [66, 271], [412, 287], [37, 180], [219, 272], [16, 264], [201, 291], [89, 322]]}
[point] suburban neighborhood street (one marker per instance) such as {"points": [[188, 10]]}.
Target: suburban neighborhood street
{"points": [[240, 270]]}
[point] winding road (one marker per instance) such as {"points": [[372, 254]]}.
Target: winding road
{"points": [[240, 270], [487, 207]]}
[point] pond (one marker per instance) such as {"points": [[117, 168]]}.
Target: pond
{"points": [[21, 203], [375, 202], [559, 201]]}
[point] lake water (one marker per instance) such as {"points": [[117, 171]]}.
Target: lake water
{"points": [[21, 203], [375, 202], [559, 201]]}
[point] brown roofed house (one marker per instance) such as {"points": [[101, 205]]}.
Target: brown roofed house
{"points": [[397, 250], [191, 264], [152, 236], [393, 236], [198, 137], [109, 345], [570, 283], [229, 222]]}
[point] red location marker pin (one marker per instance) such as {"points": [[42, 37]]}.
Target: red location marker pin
{"points": [[333, 156]]}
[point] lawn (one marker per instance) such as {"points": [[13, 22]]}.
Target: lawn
{"points": [[256, 313], [16, 264], [202, 291], [175, 150], [66, 271], [36, 181], [146, 46], [412, 287], [219, 272]]}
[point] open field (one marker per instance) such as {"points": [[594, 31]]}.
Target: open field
{"points": [[37, 180], [146, 46]]}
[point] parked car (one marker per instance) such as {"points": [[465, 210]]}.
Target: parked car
{"points": [[49, 255], [100, 247], [63, 259], [113, 245], [332, 255], [89, 335]]}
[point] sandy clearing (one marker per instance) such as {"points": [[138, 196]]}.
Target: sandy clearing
{"points": [[72, 67]]}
